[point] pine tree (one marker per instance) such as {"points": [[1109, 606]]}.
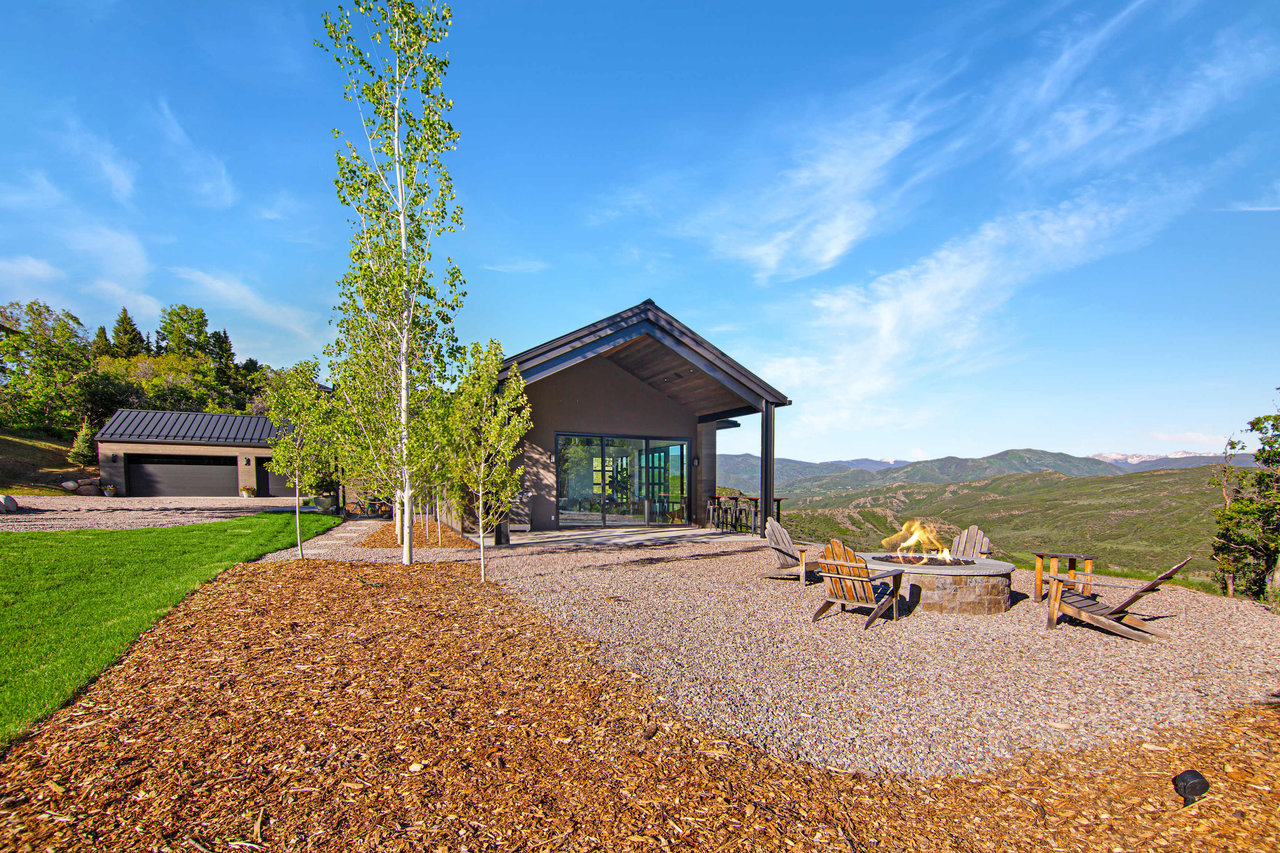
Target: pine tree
{"points": [[82, 452], [100, 345], [126, 340]]}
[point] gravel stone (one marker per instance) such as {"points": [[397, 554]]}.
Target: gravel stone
{"points": [[716, 631]]}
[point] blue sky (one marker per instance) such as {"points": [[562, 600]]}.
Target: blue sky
{"points": [[939, 228]]}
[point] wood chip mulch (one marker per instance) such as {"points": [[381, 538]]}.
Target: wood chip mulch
{"points": [[426, 534], [344, 706]]}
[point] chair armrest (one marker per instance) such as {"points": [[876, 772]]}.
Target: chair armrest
{"points": [[886, 574], [808, 544]]}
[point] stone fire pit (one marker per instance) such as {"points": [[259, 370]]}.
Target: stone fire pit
{"points": [[968, 586]]}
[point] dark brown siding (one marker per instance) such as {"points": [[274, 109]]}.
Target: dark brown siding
{"points": [[594, 397]]}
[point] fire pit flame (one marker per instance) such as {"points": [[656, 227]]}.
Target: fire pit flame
{"points": [[917, 543]]}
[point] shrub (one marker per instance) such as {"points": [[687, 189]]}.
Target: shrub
{"points": [[82, 451]]}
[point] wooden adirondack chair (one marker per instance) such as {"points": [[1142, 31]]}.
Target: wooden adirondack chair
{"points": [[971, 543], [789, 555], [851, 585], [1065, 598]]}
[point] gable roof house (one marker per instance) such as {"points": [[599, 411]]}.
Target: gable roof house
{"points": [[182, 454], [625, 416]]}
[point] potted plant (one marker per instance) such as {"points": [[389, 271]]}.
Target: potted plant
{"points": [[109, 491], [248, 492]]}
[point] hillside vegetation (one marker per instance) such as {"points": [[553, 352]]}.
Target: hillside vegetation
{"points": [[1143, 522], [803, 479], [35, 464]]}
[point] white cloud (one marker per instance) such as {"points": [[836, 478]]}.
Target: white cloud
{"points": [[1106, 129], [1268, 202], [930, 319], [525, 267], [229, 292], [27, 270], [115, 170], [211, 183], [35, 192], [141, 305], [116, 255], [819, 205], [283, 206]]}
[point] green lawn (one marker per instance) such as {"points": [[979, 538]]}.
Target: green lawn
{"points": [[71, 602]]}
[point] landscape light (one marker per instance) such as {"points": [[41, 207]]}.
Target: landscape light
{"points": [[1190, 785]]}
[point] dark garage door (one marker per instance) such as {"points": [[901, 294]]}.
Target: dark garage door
{"points": [[180, 476], [271, 484]]}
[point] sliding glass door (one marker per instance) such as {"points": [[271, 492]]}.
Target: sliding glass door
{"points": [[613, 481]]}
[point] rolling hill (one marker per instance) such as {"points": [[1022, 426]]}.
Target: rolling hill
{"points": [[1143, 522], [804, 479]]}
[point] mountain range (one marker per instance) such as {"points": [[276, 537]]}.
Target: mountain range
{"points": [[796, 479]]}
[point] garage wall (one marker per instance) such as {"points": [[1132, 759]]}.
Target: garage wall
{"points": [[113, 471]]}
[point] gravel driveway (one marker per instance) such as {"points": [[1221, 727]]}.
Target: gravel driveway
{"points": [[716, 634], [72, 512]]}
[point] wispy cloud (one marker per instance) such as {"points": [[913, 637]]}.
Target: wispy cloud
{"points": [[26, 270], [118, 265], [210, 180], [282, 206], [929, 318], [117, 172], [34, 192], [142, 305], [525, 267], [1268, 202], [230, 292], [116, 255], [819, 206], [1107, 128]]}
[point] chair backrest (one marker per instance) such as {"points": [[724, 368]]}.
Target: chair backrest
{"points": [[780, 541], [850, 581], [971, 543], [1148, 589]]}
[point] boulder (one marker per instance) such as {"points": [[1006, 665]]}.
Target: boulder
{"points": [[89, 491], [9, 504], [90, 481], [70, 485]]}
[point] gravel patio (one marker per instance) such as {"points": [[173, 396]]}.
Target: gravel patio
{"points": [[714, 630]]}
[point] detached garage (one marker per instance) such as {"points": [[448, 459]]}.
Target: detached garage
{"points": [[187, 454]]}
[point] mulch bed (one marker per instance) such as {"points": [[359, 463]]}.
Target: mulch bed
{"points": [[347, 706], [425, 535]]}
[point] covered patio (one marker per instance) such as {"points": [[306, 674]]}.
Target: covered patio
{"points": [[626, 412]]}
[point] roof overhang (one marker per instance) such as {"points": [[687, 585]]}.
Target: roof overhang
{"points": [[664, 353]]}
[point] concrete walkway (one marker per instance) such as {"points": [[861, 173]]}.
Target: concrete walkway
{"points": [[339, 543]]}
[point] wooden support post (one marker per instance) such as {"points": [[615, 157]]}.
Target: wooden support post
{"points": [[1039, 591]]}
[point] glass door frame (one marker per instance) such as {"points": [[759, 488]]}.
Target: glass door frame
{"points": [[645, 487]]}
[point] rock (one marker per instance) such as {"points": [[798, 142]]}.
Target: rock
{"points": [[70, 485], [89, 491], [90, 481], [9, 504], [324, 504]]}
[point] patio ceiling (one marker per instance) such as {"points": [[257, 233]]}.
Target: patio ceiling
{"points": [[664, 353]]}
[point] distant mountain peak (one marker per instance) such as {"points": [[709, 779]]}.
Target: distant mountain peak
{"points": [[1135, 458]]}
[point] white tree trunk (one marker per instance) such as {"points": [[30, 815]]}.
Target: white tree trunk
{"points": [[480, 517], [395, 518], [297, 513]]}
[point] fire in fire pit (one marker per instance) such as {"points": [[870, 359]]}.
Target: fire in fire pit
{"points": [[921, 560]]}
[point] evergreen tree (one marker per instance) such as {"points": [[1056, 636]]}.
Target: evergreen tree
{"points": [[126, 340], [100, 345], [82, 452]]}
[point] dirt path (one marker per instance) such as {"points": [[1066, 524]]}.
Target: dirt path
{"points": [[348, 706]]}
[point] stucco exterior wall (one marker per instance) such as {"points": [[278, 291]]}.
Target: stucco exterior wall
{"points": [[594, 397], [113, 470]]}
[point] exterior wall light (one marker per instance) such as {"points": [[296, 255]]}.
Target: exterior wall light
{"points": [[248, 460], [696, 462]]}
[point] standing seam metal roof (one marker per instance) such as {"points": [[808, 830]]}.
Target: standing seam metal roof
{"points": [[140, 425]]}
